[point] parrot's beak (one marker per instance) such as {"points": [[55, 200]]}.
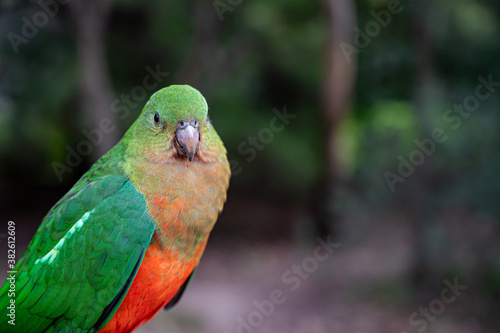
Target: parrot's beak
{"points": [[187, 136]]}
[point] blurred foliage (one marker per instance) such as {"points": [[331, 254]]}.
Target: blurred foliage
{"points": [[267, 55]]}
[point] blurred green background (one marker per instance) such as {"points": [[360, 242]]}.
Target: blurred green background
{"points": [[365, 84]]}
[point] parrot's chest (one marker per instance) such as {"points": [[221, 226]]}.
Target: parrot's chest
{"points": [[184, 213], [185, 202], [174, 252], [156, 283]]}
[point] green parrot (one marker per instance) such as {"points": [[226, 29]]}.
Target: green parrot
{"points": [[123, 243]]}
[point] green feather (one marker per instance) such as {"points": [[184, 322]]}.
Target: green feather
{"points": [[61, 289]]}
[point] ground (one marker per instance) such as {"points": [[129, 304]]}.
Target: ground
{"points": [[360, 287]]}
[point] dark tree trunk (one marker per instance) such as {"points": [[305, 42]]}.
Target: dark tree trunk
{"points": [[199, 60], [336, 100], [96, 95], [421, 181]]}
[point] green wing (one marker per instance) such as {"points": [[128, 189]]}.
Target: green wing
{"points": [[82, 260]]}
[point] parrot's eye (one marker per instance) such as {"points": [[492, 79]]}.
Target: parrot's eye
{"points": [[157, 118], [195, 123], [181, 124]]}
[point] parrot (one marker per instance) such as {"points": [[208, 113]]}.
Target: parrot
{"points": [[126, 239]]}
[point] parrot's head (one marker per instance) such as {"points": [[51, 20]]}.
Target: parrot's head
{"points": [[174, 125]]}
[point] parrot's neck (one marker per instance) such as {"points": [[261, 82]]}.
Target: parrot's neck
{"points": [[183, 197]]}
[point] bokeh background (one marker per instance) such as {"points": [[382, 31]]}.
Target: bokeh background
{"points": [[365, 83]]}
